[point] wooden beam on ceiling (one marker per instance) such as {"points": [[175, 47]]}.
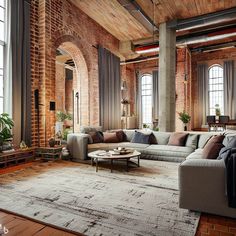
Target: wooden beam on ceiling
{"points": [[114, 18]]}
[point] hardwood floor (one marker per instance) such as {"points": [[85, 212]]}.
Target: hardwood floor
{"points": [[19, 226], [212, 225], [209, 225]]}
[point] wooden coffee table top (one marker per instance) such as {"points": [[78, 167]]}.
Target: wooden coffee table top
{"points": [[95, 154]]}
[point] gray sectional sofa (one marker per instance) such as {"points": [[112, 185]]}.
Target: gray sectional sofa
{"points": [[79, 147], [201, 181]]}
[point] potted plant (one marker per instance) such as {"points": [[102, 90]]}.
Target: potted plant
{"points": [[60, 118], [6, 125], [185, 118], [217, 111], [68, 121]]}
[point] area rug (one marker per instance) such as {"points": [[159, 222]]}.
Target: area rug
{"points": [[143, 201]]}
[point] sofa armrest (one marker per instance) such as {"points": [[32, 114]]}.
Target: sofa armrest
{"points": [[202, 186], [77, 144]]}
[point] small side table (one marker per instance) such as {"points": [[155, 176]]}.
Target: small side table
{"points": [[49, 153]]}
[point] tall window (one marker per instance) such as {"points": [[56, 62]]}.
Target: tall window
{"points": [[2, 47], [216, 89], [146, 99]]}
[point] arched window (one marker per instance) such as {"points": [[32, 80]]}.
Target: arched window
{"points": [[216, 89], [146, 99]]}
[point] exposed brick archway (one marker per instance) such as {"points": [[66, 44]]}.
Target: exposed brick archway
{"points": [[82, 80]]}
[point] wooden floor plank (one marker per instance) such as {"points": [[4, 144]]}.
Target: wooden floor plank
{"points": [[52, 232]]}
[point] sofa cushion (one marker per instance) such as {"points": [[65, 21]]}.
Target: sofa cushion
{"points": [[165, 150], [95, 137], [140, 138], [196, 155], [213, 147], [203, 139], [129, 134], [230, 140], [110, 137], [177, 139], [110, 146], [192, 140], [162, 137], [119, 133]]}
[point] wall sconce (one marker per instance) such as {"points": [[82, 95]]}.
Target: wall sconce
{"points": [[123, 85]]}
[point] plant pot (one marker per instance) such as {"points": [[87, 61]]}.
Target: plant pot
{"points": [[185, 127], [68, 123], [52, 142]]}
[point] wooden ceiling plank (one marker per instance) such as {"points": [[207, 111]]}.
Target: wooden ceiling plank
{"points": [[114, 18]]}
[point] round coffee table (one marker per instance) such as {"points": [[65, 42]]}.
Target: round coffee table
{"points": [[103, 155]]}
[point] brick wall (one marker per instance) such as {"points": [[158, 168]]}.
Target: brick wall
{"points": [[183, 87], [57, 23], [210, 58]]}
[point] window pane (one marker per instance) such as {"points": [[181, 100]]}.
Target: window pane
{"points": [[1, 57], [2, 14], [2, 31], [146, 100], [1, 105], [2, 3], [1, 86], [216, 89]]}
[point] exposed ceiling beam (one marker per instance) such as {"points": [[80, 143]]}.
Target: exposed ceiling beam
{"points": [[215, 47], [137, 12], [204, 20], [139, 59]]}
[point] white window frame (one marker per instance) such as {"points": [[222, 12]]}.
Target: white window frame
{"points": [[3, 43], [141, 98], [211, 107]]}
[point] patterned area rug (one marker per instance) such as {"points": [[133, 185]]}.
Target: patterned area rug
{"points": [[143, 201]]}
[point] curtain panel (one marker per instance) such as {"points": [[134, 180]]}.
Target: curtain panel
{"points": [[21, 77], [229, 89], [155, 94], [109, 89], [203, 107]]}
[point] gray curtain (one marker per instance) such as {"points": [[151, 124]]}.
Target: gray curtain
{"points": [[8, 65], [229, 89], [155, 94], [203, 107], [21, 81], [109, 89], [138, 100]]}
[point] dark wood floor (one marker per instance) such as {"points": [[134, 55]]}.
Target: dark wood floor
{"points": [[209, 225]]}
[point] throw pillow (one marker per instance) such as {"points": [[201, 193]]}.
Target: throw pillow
{"points": [[213, 147], [110, 137], [177, 139], [119, 133], [141, 138], [96, 137], [192, 141]]}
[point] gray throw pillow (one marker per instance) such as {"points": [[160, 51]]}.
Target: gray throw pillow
{"points": [[192, 141], [141, 138]]}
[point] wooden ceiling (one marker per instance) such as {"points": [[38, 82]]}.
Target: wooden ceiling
{"points": [[114, 18], [120, 23], [166, 10]]}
